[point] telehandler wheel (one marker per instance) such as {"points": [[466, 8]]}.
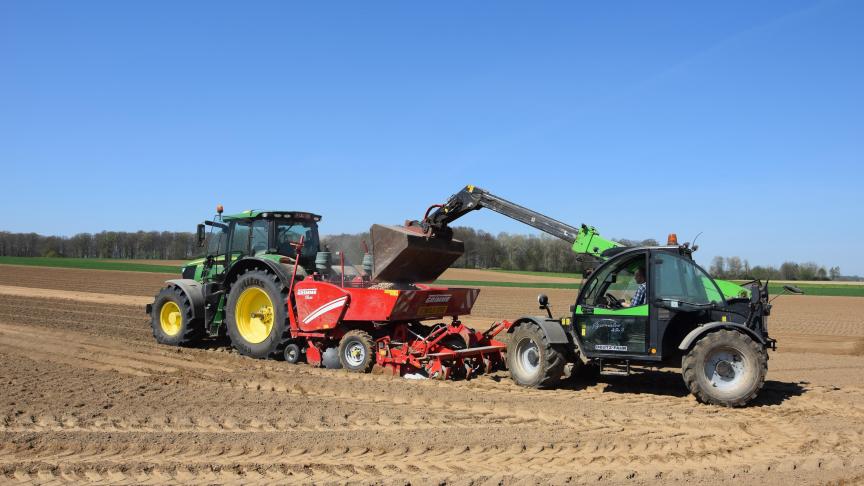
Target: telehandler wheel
{"points": [[357, 351], [532, 360], [171, 318], [726, 368], [257, 316]]}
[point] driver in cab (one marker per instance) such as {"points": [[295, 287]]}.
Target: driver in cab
{"points": [[639, 296]]}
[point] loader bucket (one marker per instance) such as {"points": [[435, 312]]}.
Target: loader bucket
{"points": [[404, 255]]}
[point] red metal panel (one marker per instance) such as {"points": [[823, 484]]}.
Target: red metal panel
{"points": [[371, 304], [434, 303], [320, 305]]}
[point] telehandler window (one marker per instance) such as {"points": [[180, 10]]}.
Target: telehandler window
{"points": [[680, 279], [618, 280]]}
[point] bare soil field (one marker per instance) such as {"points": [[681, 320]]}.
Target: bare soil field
{"points": [[84, 280], [492, 276], [89, 397]]}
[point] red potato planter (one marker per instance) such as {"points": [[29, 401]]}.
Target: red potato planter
{"points": [[388, 327]]}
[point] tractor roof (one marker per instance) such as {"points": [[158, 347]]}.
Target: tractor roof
{"points": [[271, 213]]}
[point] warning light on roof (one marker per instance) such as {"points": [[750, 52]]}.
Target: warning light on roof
{"points": [[219, 209], [673, 239]]}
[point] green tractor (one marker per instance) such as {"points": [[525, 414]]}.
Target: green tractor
{"points": [[240, 287], [651, 306]]}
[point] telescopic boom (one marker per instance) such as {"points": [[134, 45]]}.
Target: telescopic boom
{"points": [[584, 240], [420, 251], [472, 198]]}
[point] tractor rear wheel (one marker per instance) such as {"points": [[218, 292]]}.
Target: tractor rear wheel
{"points": [[532, 360], [357, 351], [257, 315], [171, 318], [726, 368]]}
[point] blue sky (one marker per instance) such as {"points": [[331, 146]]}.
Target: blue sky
{"points": [[744, 121]]}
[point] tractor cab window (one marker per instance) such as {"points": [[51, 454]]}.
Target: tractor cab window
{"points": [[617, 280], [260, 233], [240, 237], [288, 232], [216, 240], [680, 279]]}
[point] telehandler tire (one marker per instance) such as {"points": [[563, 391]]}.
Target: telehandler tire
{"points": [[532, 360], [257, 316], [171, 318], [357, 351], [725, 368]]}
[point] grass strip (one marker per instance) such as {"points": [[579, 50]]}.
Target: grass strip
{"points": [[538, 274], [89, 264]]}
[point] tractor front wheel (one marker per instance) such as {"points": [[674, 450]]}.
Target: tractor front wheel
{"points": [[257, 315], [171, 318], [532, 360], [726, 368]]}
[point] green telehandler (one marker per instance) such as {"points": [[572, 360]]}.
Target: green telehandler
{"points": [[648, 305]]}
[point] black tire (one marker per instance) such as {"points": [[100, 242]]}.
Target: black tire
{"points": [[532, 360], [330, 358], [726, 368], [274, 343], [582, 372], [292, 353], [188, 331], [357, 351]]}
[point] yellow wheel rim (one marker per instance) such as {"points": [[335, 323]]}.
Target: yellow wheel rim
{"points": [[170, 318], [254, 314]]}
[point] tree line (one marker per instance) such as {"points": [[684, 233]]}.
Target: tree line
{"points": [[736, 268], [159, 245], [482, 250]]}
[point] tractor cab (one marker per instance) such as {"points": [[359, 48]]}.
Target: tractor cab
{"points": [[236, 244], [270, 235]]}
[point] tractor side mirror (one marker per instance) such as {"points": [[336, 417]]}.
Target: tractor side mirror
{"points": [[793, 289], [201, 235]]}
